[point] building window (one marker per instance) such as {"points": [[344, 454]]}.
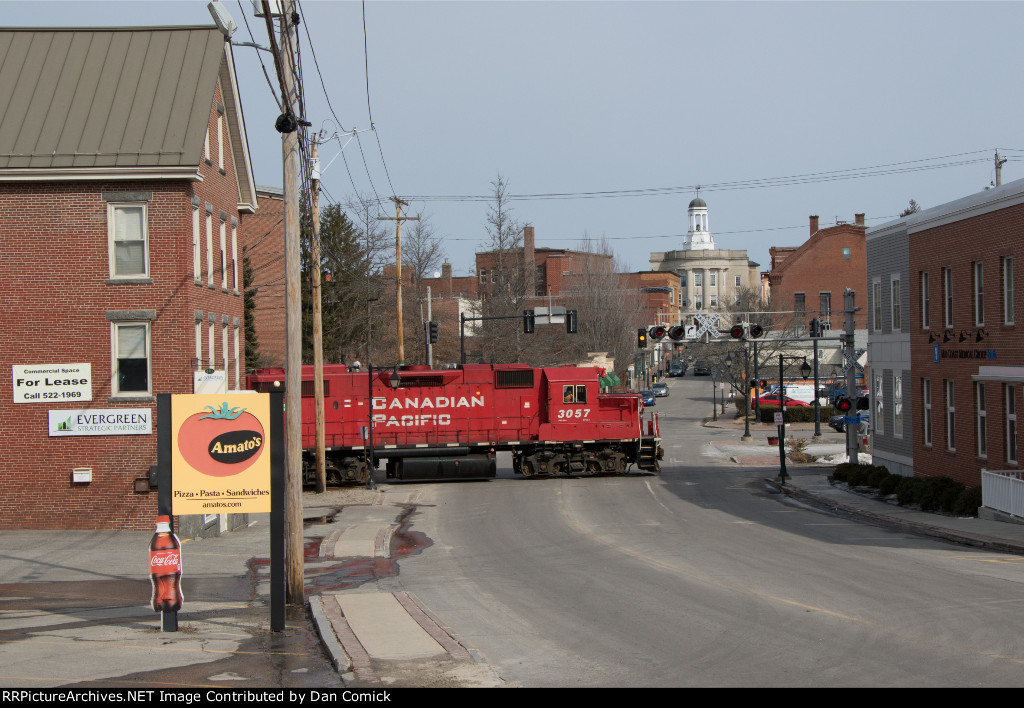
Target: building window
{"points": [[926, 405], [876, 305], [199, 344], [897, 405], [714, 301], [738, 281], [197, 263], [950, 415], [206, 147], [1010, 403], [483, 276], [238, 361], [234, 255], [947, 296], [1008, 290], [846, 253], [698, 280], [211, 356], [209, 244], [130, 341], [878, 417], [799, 311], [895, 305], [979, 293], [224, 347], [223, 255], [925, 302], [682, 281], [980, 424], [825, 310], [712, 279], [128, 240], [220, 141]]}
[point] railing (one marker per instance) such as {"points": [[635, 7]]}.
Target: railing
{"points": [[1003, 491]]}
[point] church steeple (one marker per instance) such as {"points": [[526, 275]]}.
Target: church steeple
{"points": [[698, 237]]}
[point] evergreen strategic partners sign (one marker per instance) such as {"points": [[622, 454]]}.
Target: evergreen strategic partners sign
{"points": [[220, 457]]}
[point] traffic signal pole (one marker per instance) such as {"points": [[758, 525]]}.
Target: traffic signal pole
{"points": [[851, 372]]}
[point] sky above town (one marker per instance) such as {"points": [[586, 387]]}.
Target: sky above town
{"points": [[604, 117]]}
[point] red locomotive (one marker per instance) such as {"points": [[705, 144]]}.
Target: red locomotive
{"points": [[449, 423]]}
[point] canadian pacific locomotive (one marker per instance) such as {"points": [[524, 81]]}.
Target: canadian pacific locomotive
{"points": [[449, 423]]}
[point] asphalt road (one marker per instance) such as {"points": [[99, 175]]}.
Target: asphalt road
{"points": [[703, 577]]}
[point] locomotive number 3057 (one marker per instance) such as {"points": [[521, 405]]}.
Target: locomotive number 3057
{"points": [[574, 413]]}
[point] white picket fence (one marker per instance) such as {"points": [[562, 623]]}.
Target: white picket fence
{"points": [[1003, 491]]}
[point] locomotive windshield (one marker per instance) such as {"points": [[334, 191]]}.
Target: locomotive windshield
{"points": [[574, 393]]}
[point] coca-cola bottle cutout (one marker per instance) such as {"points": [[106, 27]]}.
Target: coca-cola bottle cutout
{"points": [[165, 567]]}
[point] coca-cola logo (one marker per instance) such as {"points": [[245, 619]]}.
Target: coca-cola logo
{"points": [[164, 559]]}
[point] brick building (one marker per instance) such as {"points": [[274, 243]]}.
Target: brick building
{"points": [[966, 370], [809, 281], [261, 235], [123, 171]]}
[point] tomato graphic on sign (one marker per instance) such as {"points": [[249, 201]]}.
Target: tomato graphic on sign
{"points": [[221, 442]]}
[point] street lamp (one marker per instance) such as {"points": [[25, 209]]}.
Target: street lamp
{"points": [[805, 371], [746, 398]]}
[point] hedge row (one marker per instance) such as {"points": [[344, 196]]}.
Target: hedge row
{"points": [[930, 493]]}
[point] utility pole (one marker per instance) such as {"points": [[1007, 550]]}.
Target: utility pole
{"points": [[999, 169], [318, 327], [851, 372], [398, 219], [287, 125]]}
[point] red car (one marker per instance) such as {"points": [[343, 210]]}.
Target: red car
{"points": [[772, 399]]}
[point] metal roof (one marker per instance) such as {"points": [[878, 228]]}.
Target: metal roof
{"points": [[108, 98]]}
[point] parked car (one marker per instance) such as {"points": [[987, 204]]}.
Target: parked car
{"points": [[838, 422], [701, 369], [772, 399], [648, 397], [677, 368], [660, 388]]}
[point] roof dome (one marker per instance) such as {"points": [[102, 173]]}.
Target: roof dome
{"points": [[698, 202]]}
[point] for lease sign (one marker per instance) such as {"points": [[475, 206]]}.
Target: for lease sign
{"points": [[49, 383]]}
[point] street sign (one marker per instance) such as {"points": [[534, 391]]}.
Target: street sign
{"points": [[778, 418]]}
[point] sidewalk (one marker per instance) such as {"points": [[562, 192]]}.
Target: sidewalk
{"points": [[809, 484]]}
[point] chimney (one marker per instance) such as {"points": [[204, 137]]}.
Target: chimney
{"points": [[529, 261], [446, 278], [814, 225], [859, 218]]}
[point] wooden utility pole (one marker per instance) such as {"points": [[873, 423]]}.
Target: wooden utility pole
{"points": [[999, 169], [287, 125], [318, 327], [398, 219]]}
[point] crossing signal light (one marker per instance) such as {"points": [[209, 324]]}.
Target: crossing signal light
{"points": [[746, 331], [815, 328], [677, 332], [764, 383], [433, 332], [657, 332], [570, 321], [641, 338], [754, 330], [738, 331], [863, 403], [529, 321], [844, 404]]}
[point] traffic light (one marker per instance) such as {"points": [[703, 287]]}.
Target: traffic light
{"points": [[863, 403], [570, 321], [529, 320], [764, 383], [677, 332], [433, 332], [657, 332], [641, 338], [815, 328], [843, 404]]}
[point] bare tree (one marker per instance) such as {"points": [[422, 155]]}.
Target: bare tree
{"points": [[422, 250]]}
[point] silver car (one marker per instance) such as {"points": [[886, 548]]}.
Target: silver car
{"points": [[660, 388]]}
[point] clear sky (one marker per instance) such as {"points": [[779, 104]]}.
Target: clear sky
{"points": [[854, 104]]}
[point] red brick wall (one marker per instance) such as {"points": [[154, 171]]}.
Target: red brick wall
{"points": [[54, 271], [262, 234], [990, 237]]}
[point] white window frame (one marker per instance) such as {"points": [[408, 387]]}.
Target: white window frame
{"points": [[197, 260], [878, 412], [896, 305], [199, 344], [1010, 407], [234, 256], [712, 280], [224, 348], [950, 386], [238, 361], [113, 208], [212, 336], [978, 272], [897, 405], [209, 247], [926, 406], [925, 301], [876, 305], [206, 145], [224, 255], [1007, 268], [981, 424], [698, 280], [947, 297], [220, 141], [739, 281], [115, 379]]}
